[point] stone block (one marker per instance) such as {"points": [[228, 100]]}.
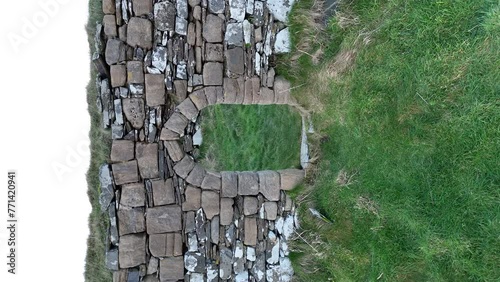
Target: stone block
{"points": [[108, 7], [180, 87], [164, 14], [290, 178], [109, 22], [212, 74], [212, 181], [125, 172], [147, 159], [199, 99], [250, 231], [188, 109], [281, 90], [155, 89], [133, 108], [164, 219], [269, 184], [235, 61], [135, 72], [196, 175], [130, 220], [172, 269], [168, 135], [133, 195], [140, 33], [226, 211], [216, 6], [142, 7], [229, 184], [214, 52], [132, 250], [250, 205], [184, 167], [212, 29], [266, 96], [122, 150], [174, 150], [116, 51], [210, 203], [118, 75], [177, 123], [248, 183], [163, 192], [193, 199], [271, 210]]}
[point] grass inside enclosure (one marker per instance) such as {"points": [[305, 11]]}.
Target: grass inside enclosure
{"points": [[250, 137]]}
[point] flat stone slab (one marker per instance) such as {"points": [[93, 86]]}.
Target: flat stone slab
{"points": [[133, 108], [174, 150], [184, 167], [132, 250], [142, 7], [210, 203], [212, 181], [118, 75], [250, 231], [213, 74], [172, 269], [212, 29], [188, 109], [155, 89], [164, 15], [130, 220], [226, 211], [248, 183], [290, 178], [177, 123], [133, 195], [135, 72], [147, 159], [122, 150], [164, 219], [140, 33], [163, 192], [229, 184], [235, 61], [193, 199], [269, 184], [166, 245], [196, 175], [126, 172]]}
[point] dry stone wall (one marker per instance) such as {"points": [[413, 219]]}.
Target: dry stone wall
{"points": [[160, 63]]}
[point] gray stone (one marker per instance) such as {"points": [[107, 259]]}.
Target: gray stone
{"points": [[248, 183], [125, 172], [149, 278], [212, 273], [270, 81], [259, 268], [234, 34], [184, 167], [193, 199], [273, 248], [194, 3], [112, 259], [142, 7], [172, 269], [159, 58], [147, 159], [109, 22], [250, 205], [133, 108], [212, 181], [196, 175], [136, 89], [226, 211], [191, 34], [247, 32], [116, 131], [182, 8], [281, 90], [174, 150], [133, 195], [280, 9], [199, 99], [113, 224], [180, 89], [108, 7], [286, 270], [269, 184], [152, 266], [135, 72], [194, 262], [177, 123], [250, 231], [282, 43], [214, 95], [210, 203], [212, 74], [181, 26], [273, 273], [164, 13], [200, 226], [165, 244], [115, 51], [290, 178], [155, 90], [258, 13], [231, 90], [212, 29], [132, 250], [239, 258], [235, 61], [237, 9], [130, 220], [122, 150], [197, 79], [163, 192], [251, 254], [214, 52], [266, 96], [140, 33], [216, 6], [196, 277], [271, 209], [241, 277], [226, 263], [214, 229], [164, 219], [181, 72], [249, 7]]}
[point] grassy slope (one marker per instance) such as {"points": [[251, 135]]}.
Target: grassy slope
{"points": [[250, 137], [95, 267], [415, 121]]}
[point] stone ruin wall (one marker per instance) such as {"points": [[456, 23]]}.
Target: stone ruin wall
{"points": [[160, 63]]}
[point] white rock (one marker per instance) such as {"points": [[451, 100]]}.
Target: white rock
{"points": [[234, 34], [282, 43], [192, 242], [212, 273], [280, 9], [182, 8], [198, 138], [247, 31], [279, 225], [286, 270], [284, 251], [181, 26], [288, 227], [159, 59], [251, 254], [237, 9], [275, 251], [249, 7], [196, 277], [242, 277], [257, 63]]}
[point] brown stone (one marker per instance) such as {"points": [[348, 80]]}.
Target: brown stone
{"points": [[147, 159], [178, 244], [172, 269], [164, 219], [248, 183], [184, 167], [290, 178], [142, 7], [269, 184], [174, 150], [281, 90], [122, 150], [130, 220], [188, 109], [235, 61], [155, 89], [140, 33], [210, 203], [248, 97], [231, 89], [226, 211], [250, 231], [240, 95], [229, 184], [132, 250], [211, 94], [271, 209], [122, 33], [168, 135], [133, 108], [125, 172], [196, 175], [161, 245], [133, 195], [120, 275], [193, 199], [115, 51], [266, 96], [199, 99], [214, 52], [177, 123], [212, 181], [109, 22], [135, 72], [191, 34], [163, 192], [118, 75], [108, 7], [250, 205], [212, 29], [212, 74]]}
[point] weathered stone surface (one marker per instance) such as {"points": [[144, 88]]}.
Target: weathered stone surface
{"points": [[132, 250], [229, 184], [159, 58], [191, 34], [142, 7], [135, 72], [133, 108], [212, 29], [109, 22], [239, 258], [210, 203], [251, 254], [140, 33], [155, 89], [120, 275], [214, 95], [250, 231], [226, 211], [214, 52], [165, 244], [118, 75], [181, 72], [234, 34], [108, 7], [226, 263], [237, 9], [164, 13], [273, 248], [269, 184], [152, 266], [177, 123], [147, 159], [231, 90], [107, 187], [241, 277], [181, 26], [212, 181], [193, 199], [282, 43], [194, 262], [280, 9], [212, 74], [122, 150], [130, 220], [150, 278], [112, 259], [126, 172], [214, 229], [266, 96], [174, 150], [163, 192], [247, 32], [248, 183], [184, 167], [172, 269], [250, 205], [290, 178], [271, 209], [235, 61], [164, 219], [259, 268], [216, 6], [133, 195], [168, 135], [196, 175], [180, 89], [115, 51]]}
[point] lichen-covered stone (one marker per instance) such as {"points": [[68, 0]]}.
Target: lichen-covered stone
{"points": [[164, 14], [133, 108]]}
